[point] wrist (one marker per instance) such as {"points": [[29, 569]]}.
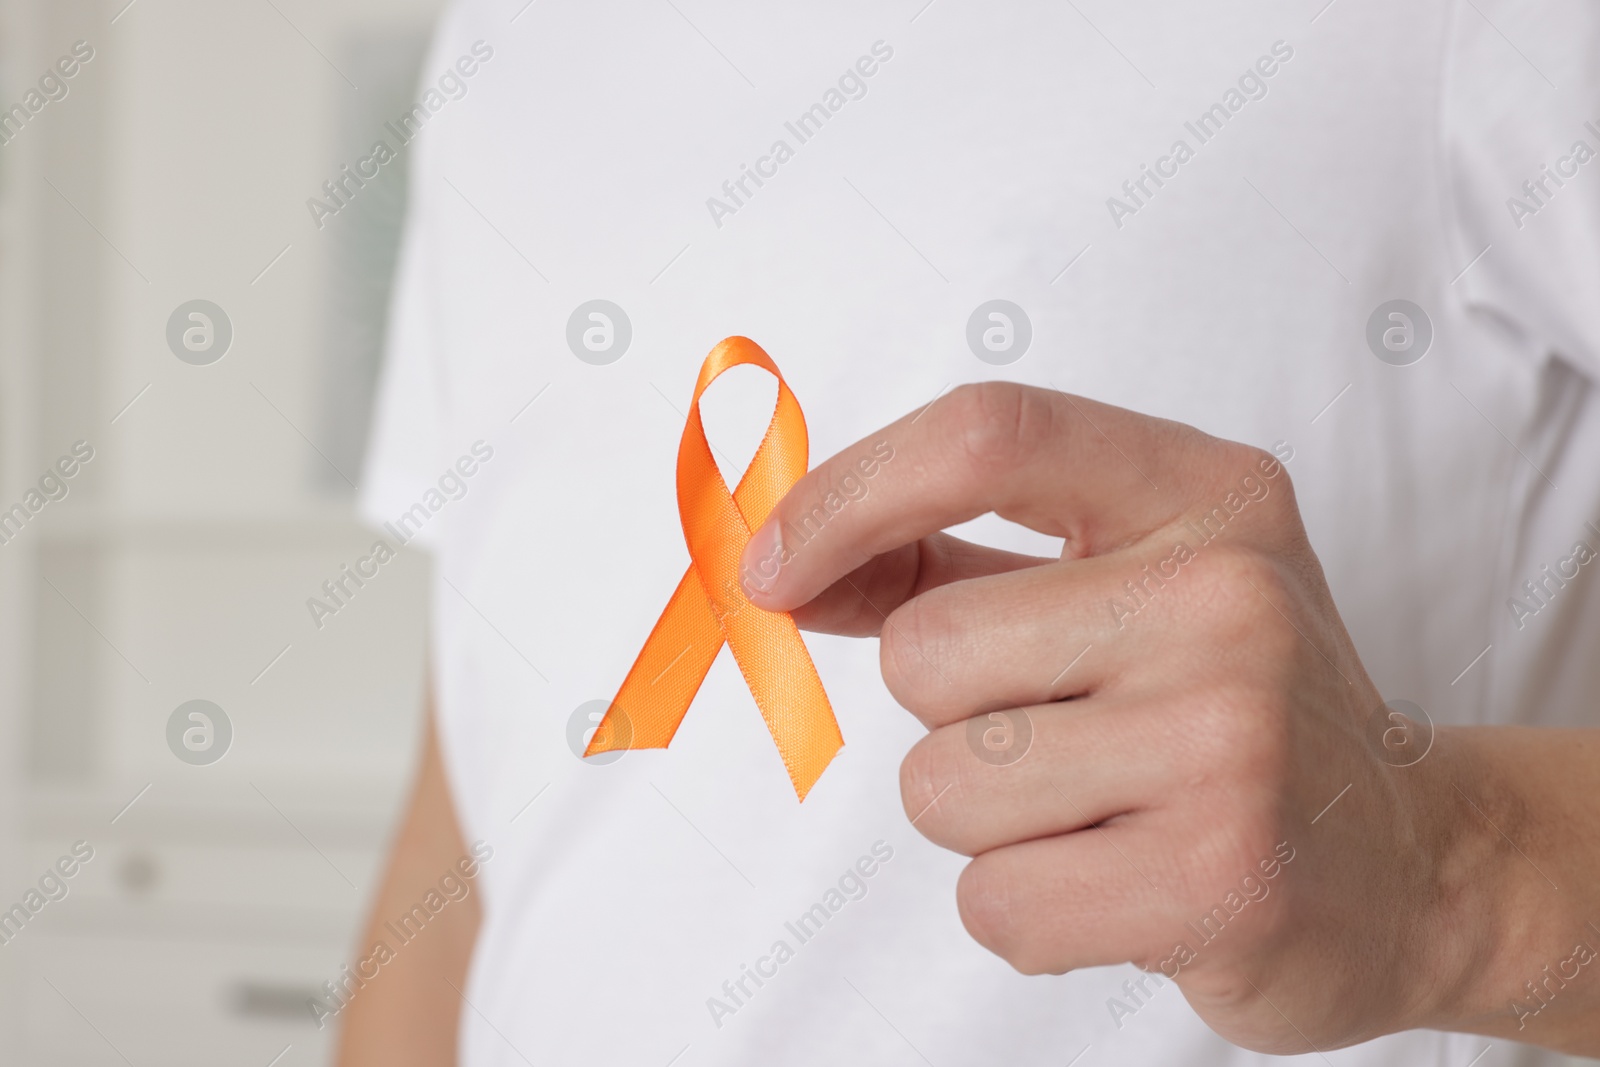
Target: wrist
{"points": [[1508, 918], [1478, 916]]}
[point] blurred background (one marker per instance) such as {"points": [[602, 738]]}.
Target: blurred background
{"points": [[202, 348], [174, 166]]}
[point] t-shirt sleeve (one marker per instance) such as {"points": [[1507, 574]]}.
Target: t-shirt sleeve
{"points": [[1521, 130]]}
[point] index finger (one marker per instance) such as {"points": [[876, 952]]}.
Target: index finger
{"points": [[1096, 475]]}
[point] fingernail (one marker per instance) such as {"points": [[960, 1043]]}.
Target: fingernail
{"points": [[762, 559]]}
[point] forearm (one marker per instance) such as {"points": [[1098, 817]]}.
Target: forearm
{"points": [[1523, 884], [407, 1014]]}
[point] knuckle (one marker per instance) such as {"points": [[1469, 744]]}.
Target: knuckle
{"points": [[1253, 627], [993, 903], [1269, 466], [915, 637], [986, 902], [1268, 471], [1238, 726], [1240, 587], [1250, 736], [936, 785], [1252, 474], [995, 422], [1243, 457], [894, 652], [920, 780]]}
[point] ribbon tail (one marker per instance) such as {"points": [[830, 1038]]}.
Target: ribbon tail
{"points": [[779, 672], [668, 672]]}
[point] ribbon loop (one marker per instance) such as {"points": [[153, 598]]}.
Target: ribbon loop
{"points": [[709, 607]]}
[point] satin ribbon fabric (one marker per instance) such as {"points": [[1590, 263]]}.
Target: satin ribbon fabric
{"points": [[709, 607]]}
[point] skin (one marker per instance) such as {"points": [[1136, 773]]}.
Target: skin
{"points": [[409, 1015], [1196, 742], [1225, 724]]}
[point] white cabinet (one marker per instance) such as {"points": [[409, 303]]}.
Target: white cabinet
{"points": [[175, 564]]}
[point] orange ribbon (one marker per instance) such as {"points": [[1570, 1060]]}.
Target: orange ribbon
{"points": [[709, 606]]}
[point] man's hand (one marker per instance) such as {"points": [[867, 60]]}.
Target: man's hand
{"points": [[1177, 758]]}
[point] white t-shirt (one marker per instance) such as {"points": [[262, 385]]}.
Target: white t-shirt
{"points": [[933, 160]]}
